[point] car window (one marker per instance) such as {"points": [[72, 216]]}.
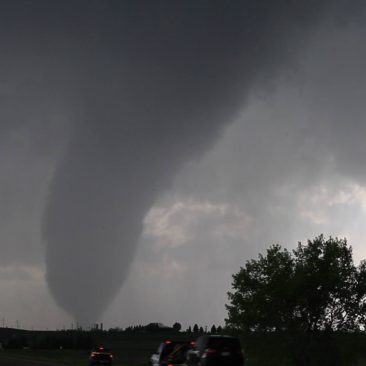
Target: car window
{"points": [[200, 344], [178, 354], [168, 348], [160, 348]]}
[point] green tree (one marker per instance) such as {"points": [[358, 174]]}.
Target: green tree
{"points": [[195, 328], [314, 287], [213, 329], [260, 300], [177, 327], [330, 288]]}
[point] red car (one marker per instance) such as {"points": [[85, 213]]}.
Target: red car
{"points": [[100, 356]]}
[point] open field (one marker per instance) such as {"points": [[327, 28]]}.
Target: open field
{"points": [[128, 349], [49, 357], [53, 357], [135, 348], [79, 358]]}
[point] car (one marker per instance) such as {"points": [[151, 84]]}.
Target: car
{"points": [[216, 350], [170, 353], [100, 356]]}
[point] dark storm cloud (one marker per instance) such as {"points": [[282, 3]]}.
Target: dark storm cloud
{"points": [[143, 87]]}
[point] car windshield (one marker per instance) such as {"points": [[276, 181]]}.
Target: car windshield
{"points": [[167, 349], [174, 350]]}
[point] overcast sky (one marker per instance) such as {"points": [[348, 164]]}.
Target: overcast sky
{"points": [[149, 149]]}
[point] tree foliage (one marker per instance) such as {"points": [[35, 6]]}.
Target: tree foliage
{"points": [[315, 287], [177, 327]]}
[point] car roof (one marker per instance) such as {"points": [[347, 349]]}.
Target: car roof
{"points": [[101, 349]]}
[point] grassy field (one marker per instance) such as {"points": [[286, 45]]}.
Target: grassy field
{"points": [[66, 357], [135, 349], [128, 349]]}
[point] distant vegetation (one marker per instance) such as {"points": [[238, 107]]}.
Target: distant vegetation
{"points": [[77, 339]]}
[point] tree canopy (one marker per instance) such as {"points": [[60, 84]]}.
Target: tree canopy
{"points": [[314, 287], [177, 327]]}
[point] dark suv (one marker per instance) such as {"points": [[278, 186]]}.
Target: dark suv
{"points": [[216, 350]]}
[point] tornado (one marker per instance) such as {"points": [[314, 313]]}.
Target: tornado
{"points": [[152, 84]]}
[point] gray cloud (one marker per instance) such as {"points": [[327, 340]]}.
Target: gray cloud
{"points": [[292, 163]]}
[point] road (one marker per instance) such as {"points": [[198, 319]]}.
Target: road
{"points": [[4, 361]]}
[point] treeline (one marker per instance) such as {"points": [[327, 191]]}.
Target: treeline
{"points": [[84, 339], [177, 327]]}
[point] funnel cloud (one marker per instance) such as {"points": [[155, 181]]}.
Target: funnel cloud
{"points": [[144, 87]]}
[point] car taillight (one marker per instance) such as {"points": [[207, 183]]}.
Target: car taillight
{"points": [[110, 356], [170, 364], [93, 354], [209, 352]]}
